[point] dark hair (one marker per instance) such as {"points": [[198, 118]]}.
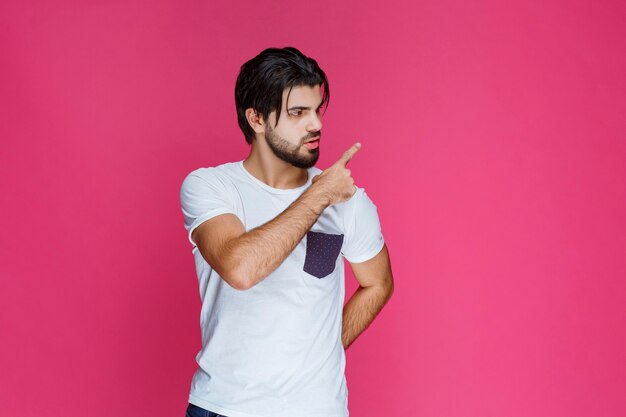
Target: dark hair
{"points": [[262, 80]]}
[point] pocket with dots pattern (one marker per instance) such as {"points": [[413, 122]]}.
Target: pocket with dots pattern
{"points": [[322, 250]]}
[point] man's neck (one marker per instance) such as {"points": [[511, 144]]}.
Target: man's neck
{"points": [[275, 172]]}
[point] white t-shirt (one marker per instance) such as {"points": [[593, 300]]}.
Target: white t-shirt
{"points": [[275, 349]]}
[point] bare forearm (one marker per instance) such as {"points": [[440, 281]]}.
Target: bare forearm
{"points": [[361, 310], [261, 250], [255, 254]]}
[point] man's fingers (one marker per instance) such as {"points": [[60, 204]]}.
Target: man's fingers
{"points": [[347, 156]]}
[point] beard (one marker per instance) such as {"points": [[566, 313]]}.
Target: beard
{"points": [[290, 153]]}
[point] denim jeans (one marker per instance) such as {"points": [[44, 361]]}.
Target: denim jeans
{"points": [[195, 411]]}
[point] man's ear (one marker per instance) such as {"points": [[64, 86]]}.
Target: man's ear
{"points": [[255, 120]]}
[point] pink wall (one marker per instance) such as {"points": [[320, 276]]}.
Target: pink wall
{"points": [[493, 145]]}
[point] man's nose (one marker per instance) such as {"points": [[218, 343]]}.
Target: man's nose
{"points": [[315, 123]]}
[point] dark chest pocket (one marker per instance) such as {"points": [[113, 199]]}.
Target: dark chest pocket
{"points": [[322, 250]]}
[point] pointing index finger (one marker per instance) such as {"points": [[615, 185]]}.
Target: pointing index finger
{"points": [[347, 156]]}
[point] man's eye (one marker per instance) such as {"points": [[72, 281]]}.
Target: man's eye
{"points": [[296, 113]]}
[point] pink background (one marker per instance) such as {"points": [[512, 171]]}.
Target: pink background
{"points": [[493, 145]]}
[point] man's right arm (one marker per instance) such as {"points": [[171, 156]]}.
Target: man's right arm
{"points": [[243, 258]]}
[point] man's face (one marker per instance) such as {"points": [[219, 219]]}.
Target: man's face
{"points": [[299, 123]]}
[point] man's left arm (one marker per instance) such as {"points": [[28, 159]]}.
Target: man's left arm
{"points": [[375, 288]]}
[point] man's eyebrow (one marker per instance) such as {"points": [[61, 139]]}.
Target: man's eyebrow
{"points": [[303, 107]]}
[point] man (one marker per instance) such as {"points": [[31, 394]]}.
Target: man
{"points": [[267, 235]]}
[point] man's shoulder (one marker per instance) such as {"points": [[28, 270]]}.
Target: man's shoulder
{"points": [[220, 178], [225, 170]]}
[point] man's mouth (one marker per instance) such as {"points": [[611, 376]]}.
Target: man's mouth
{"points": [[317, 138], [312, 144]]}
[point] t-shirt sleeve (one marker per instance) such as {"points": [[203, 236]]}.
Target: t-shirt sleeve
{"points": [[364, 238], [203, 196]]}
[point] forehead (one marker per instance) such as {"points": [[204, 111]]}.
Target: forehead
{"points": [[304, 95]]}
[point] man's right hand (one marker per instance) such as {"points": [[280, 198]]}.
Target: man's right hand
{"points": [[336, 184], [245, 258]]}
